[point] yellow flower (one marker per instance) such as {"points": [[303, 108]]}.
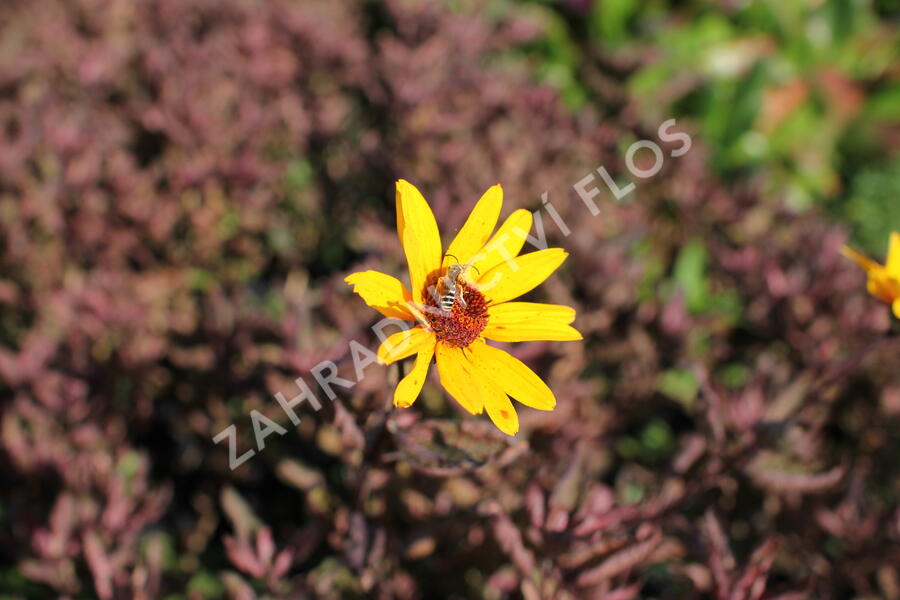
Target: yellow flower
{"points": [[480, 377], [884, 280]]}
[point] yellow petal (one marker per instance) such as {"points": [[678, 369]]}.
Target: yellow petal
{"points": [[404, 343], [502, 413], [512, 376], [409, 387], [419, 236], [539, 331], [520, 275], [514, 312], [897, 308], [530, 321], [504, 244], [892, 264], [458, 376], [861, 259], [418, 311], [477, 228], [382, 292], [881, 286]]}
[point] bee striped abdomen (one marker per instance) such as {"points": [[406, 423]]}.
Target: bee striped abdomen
{"points": [[447, 300]]}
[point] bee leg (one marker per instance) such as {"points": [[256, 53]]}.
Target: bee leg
{"points": [[462, 300]]}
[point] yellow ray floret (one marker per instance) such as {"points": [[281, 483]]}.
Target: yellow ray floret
{"points": [[512, 278], [477, 228], [512, 376], [502, 413], [419, 236], [530, 321], [409, 387], [505, 244], [403, 344], [382, 292], [459, 377]]}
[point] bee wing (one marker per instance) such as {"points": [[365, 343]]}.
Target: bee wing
{"points": [[442, 286]]}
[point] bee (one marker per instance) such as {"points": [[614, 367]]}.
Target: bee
{"points": [[448, 290]]}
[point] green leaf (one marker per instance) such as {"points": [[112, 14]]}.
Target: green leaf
{"points": [[690, 275], [206, 584], [680, 385]]}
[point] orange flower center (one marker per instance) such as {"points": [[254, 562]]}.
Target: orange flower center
{"points": [[461, 325]]}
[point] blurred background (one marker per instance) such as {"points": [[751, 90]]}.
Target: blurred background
{"points": [[185, 183]]}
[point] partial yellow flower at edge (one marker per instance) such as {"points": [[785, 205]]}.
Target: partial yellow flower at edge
{"points": [[883, 280], [892, 264]]}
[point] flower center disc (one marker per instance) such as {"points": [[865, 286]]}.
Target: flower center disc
{"points": [[459, 326]]}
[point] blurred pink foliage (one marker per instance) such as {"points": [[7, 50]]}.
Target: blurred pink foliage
{"points": [[184, 184]]}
